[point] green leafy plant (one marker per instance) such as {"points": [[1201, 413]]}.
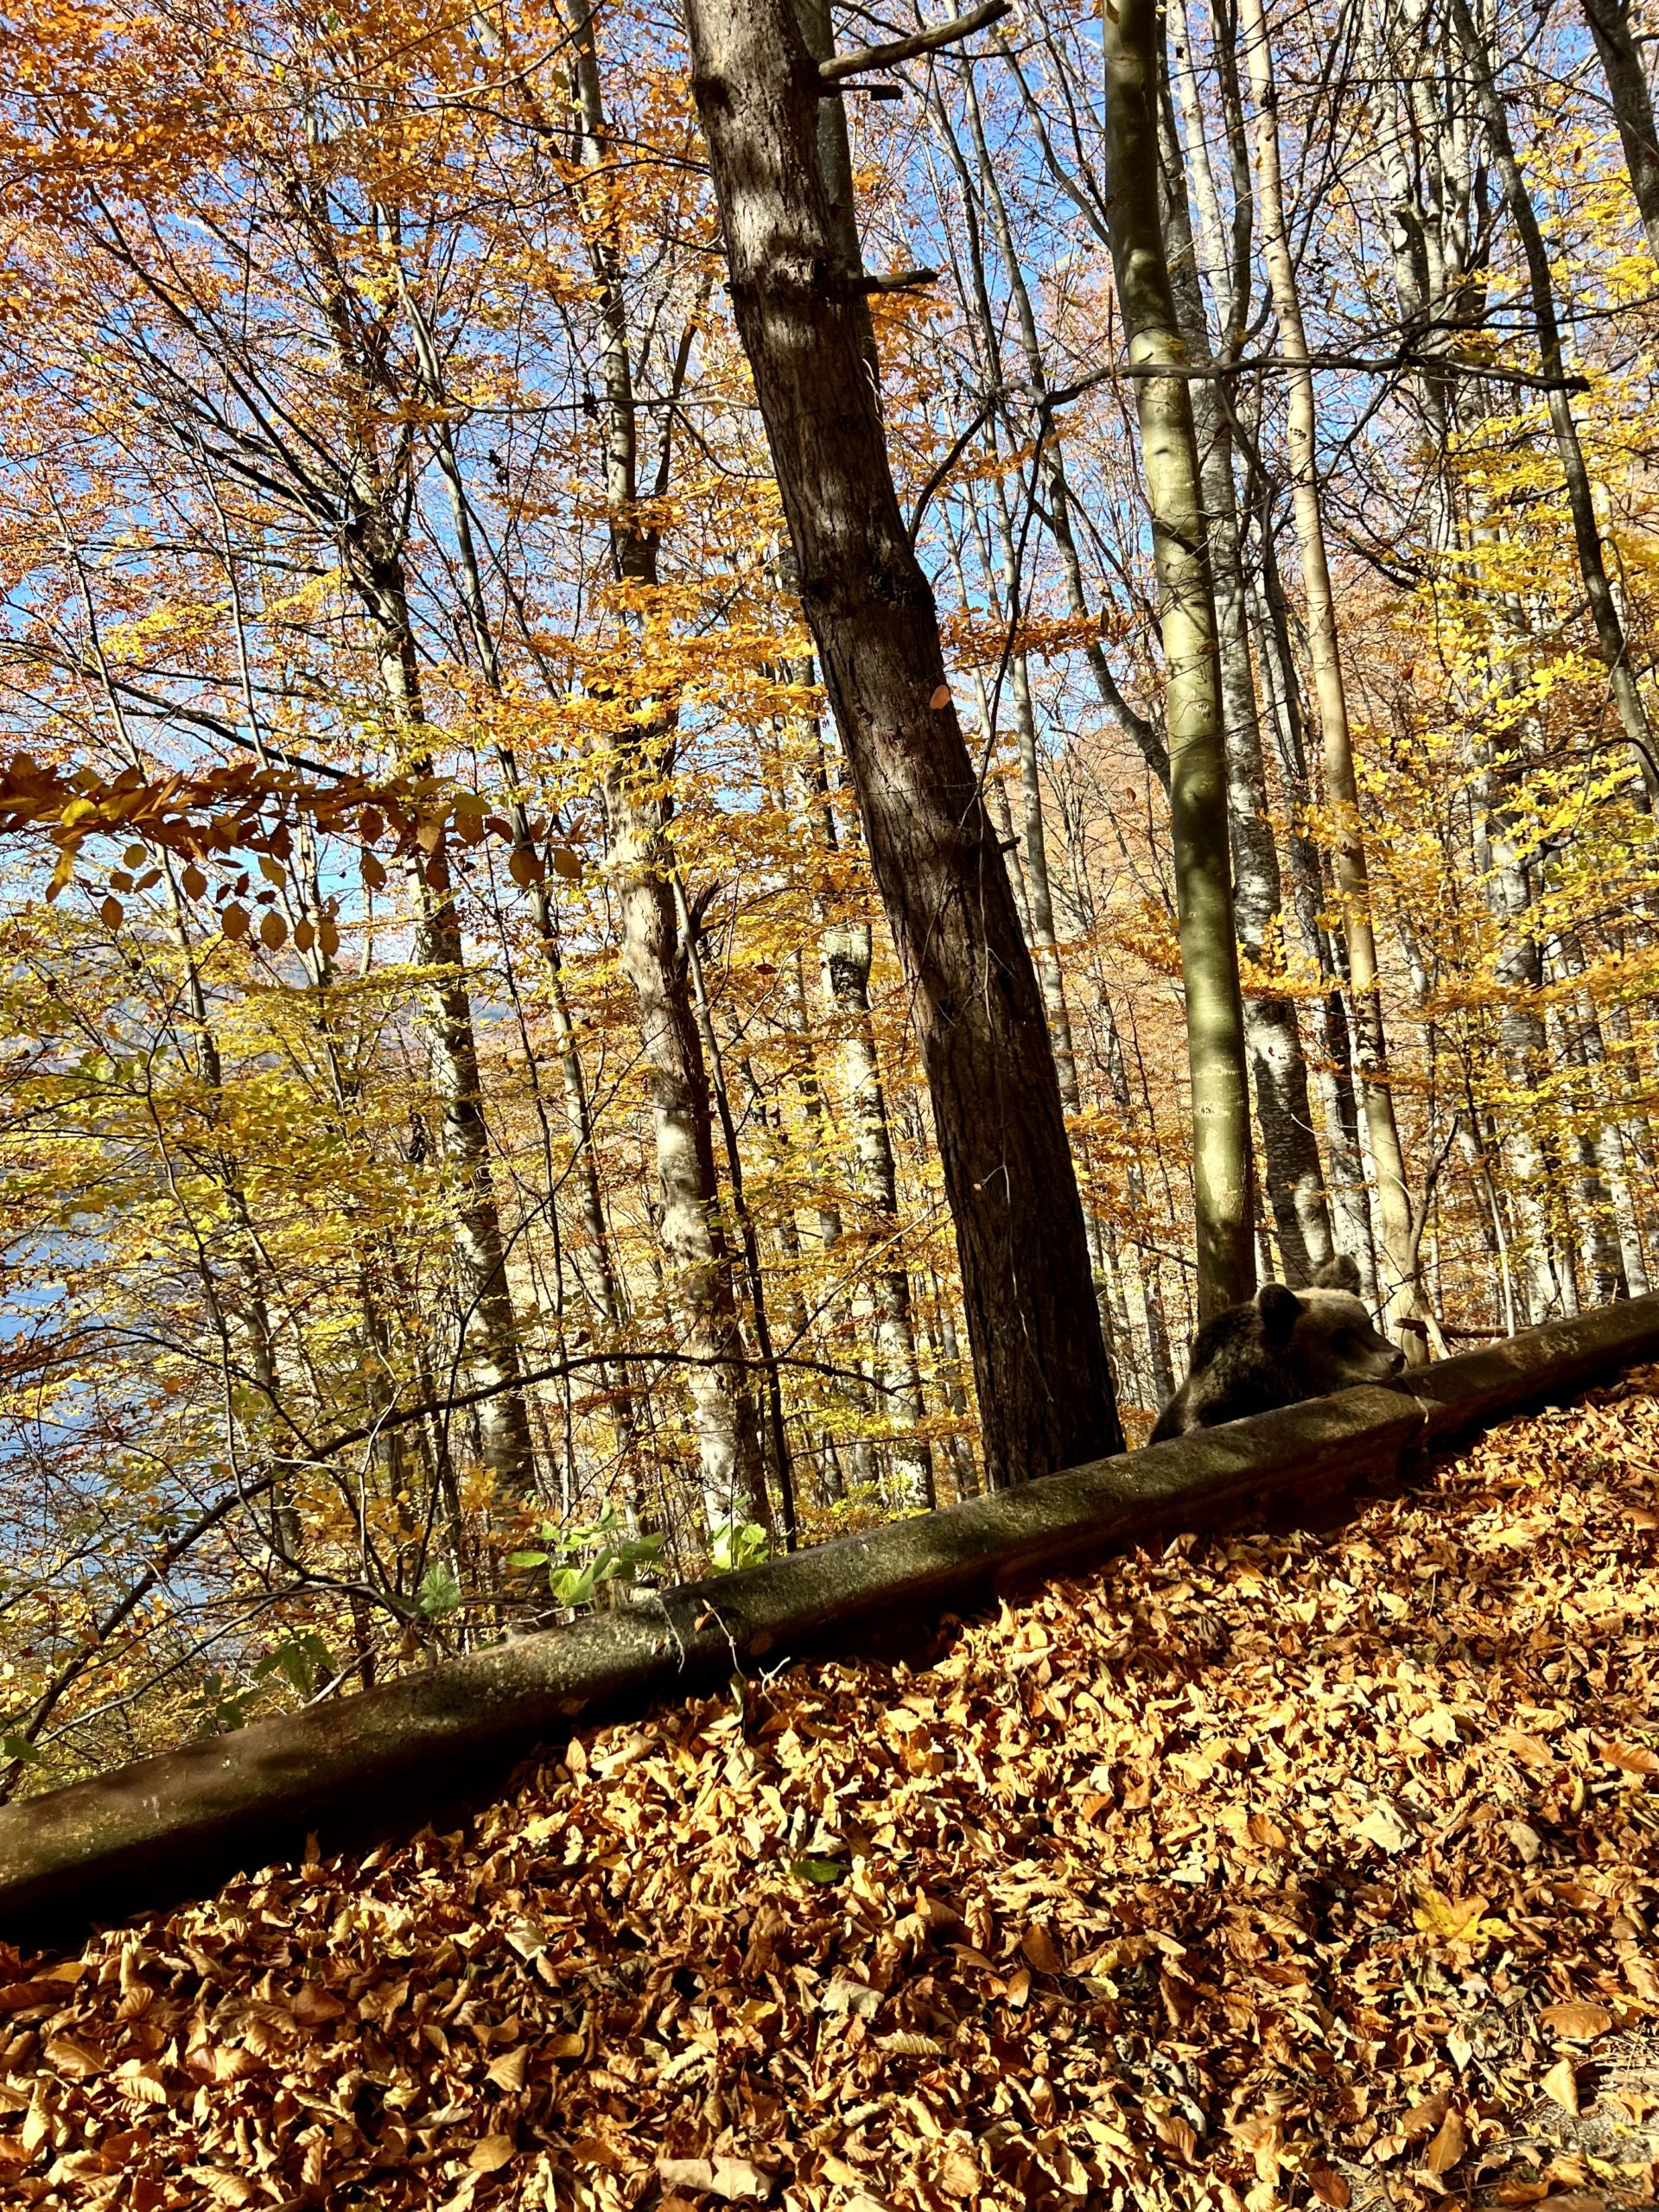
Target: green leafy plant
{"points": [[573, 1580], [736, 1546], [438, 1594]]}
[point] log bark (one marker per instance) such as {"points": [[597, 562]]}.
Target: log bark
{"points": [[1045, 1393], [360, 1768]]}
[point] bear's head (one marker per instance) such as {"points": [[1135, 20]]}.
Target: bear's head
{"points": [[1324, 1335]]}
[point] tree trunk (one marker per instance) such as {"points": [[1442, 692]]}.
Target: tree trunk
{"points": [[1222, 1167], [1580, 496], [1044, 1391], [1289, 1149], [1632, 105], [638, 795], [1342, 795]]}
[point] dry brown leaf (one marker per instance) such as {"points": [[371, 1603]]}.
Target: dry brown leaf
{"points": [[224, 2188], [315, 2006], [1423, 2119], [1576, 2022], [491, 2152], [941, 698], [1039, 1947], [1387, 1827], [78, 2060], [1450, 2142], [507, 2072], [843, 1994], [1562, 2084], [734, 2179], [1630, 1758]]}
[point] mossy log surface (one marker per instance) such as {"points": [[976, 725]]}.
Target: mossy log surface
{"points": [[360, 1767]]}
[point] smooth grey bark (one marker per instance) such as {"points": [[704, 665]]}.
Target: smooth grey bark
{"points": [[639, 796], [1350, 862], [845, 954], [846, 950], [1222, 1166], [1295, 1178], [1045, 1394], [1346, 1182]]}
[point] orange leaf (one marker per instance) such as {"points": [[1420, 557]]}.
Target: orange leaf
{"points": [[1578, 2023], [941, 698], [111, 913]]}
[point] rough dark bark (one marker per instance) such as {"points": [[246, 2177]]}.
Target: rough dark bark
{"points": [[1045, 1393]]}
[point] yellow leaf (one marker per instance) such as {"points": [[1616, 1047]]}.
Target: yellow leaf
{"points": [[273, 929], [111, 913], [273, 871], [492, 2154]]}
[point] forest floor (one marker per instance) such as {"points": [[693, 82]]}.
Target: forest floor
{"points": [[1309, 1867]]}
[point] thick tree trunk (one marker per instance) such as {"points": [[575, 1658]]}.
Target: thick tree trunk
{"points": [[1044, 1391], [1222, 1166]]}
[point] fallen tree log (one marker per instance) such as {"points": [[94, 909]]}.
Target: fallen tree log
{"points": [[361, 1767]]}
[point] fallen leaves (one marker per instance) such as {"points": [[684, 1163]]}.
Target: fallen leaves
{"points": [[734, 2179], [1562, 2084], [1264, 1872], [1577, 2023]]}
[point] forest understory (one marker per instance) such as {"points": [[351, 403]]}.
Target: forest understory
{"points": [[1311, 1866]]}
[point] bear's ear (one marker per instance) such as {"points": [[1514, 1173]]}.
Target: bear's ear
{"points": [[1280, 1310], [1340, 1273]]}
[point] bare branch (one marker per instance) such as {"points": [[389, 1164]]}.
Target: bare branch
{"points": [[840, 67]]}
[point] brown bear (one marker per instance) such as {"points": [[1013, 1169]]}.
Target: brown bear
{"points": [[1282, 1346]]}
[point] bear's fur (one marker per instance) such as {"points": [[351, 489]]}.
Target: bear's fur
{"points": [[1282, 1347]]}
